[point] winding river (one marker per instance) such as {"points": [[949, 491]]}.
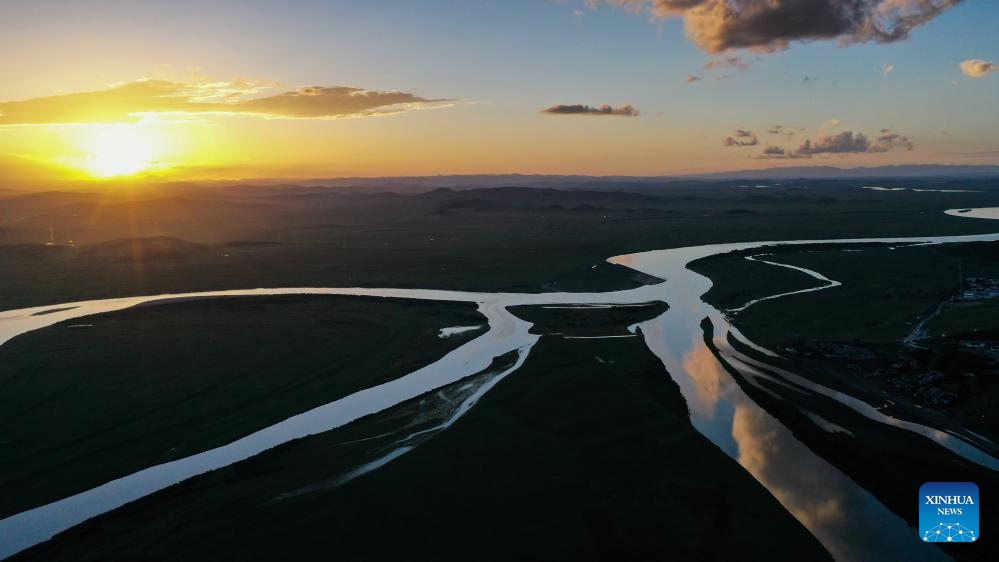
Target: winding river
{"points": [[823, 498]]}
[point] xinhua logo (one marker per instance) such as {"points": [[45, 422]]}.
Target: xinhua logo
{"points": [[948, 512]]}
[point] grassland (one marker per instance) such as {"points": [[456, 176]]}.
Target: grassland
{"points": [[151, 384], [884, 292], [586, 322], [755, 279], [965, 319], [852, 336], [148, 242], [570, 457]]}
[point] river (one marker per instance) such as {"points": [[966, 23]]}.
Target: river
{"points": [[847, 519]]}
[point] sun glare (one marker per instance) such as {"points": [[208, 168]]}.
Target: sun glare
{"points": [[119, 151]]}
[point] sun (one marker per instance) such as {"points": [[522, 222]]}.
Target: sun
{"points": [[119, 150]]}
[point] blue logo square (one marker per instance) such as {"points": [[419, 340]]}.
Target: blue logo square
{"points": [[948, 512]]}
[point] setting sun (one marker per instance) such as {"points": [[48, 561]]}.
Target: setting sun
{"points": [[119, 151]]}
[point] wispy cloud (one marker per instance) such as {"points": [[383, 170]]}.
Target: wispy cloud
{"points": [[771, 25], [978, 68], [888, 140], [131, 101], [775, 152], [830, 124], [731, 61], [741, 137], [781, 130], [603, 110]]}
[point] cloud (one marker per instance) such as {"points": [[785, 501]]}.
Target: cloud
{"points": [[130, 101], [775, 152], [978, 68], [830, 124], [741, 137], [606, 109], [732, 61], [771, 25], [781, 130], [888, 140], [846, 142]]}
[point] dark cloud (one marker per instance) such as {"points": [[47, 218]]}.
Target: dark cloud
{"points": [[561, 109], [846, 142], [741, 137], [130, 101], [777, 153], [770, 25], [888, 140]]}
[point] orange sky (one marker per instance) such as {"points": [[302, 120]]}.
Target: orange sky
{"points": [[352, 89]]}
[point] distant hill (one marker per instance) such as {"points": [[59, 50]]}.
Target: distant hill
{"points": [[832, 172], [611, 182], [267, 187]]}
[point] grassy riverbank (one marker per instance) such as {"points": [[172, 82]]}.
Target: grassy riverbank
{"points": [[151, 384], [586, 453], [586, 321], [852, 336]]}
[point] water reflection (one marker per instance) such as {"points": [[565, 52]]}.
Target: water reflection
{"points": [[847, 519]]}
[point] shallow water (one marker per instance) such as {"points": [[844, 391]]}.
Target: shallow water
{"points": [[984, 213], [817, 493]]}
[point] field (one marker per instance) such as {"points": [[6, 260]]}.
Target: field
{"points": [[585, 453], [142, 241], [156, 383]]}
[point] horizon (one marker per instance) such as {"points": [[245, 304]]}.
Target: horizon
{"points": [[615, 88], [782, 173]]}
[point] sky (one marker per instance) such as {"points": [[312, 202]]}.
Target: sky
{"points": [[217, 89]]}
